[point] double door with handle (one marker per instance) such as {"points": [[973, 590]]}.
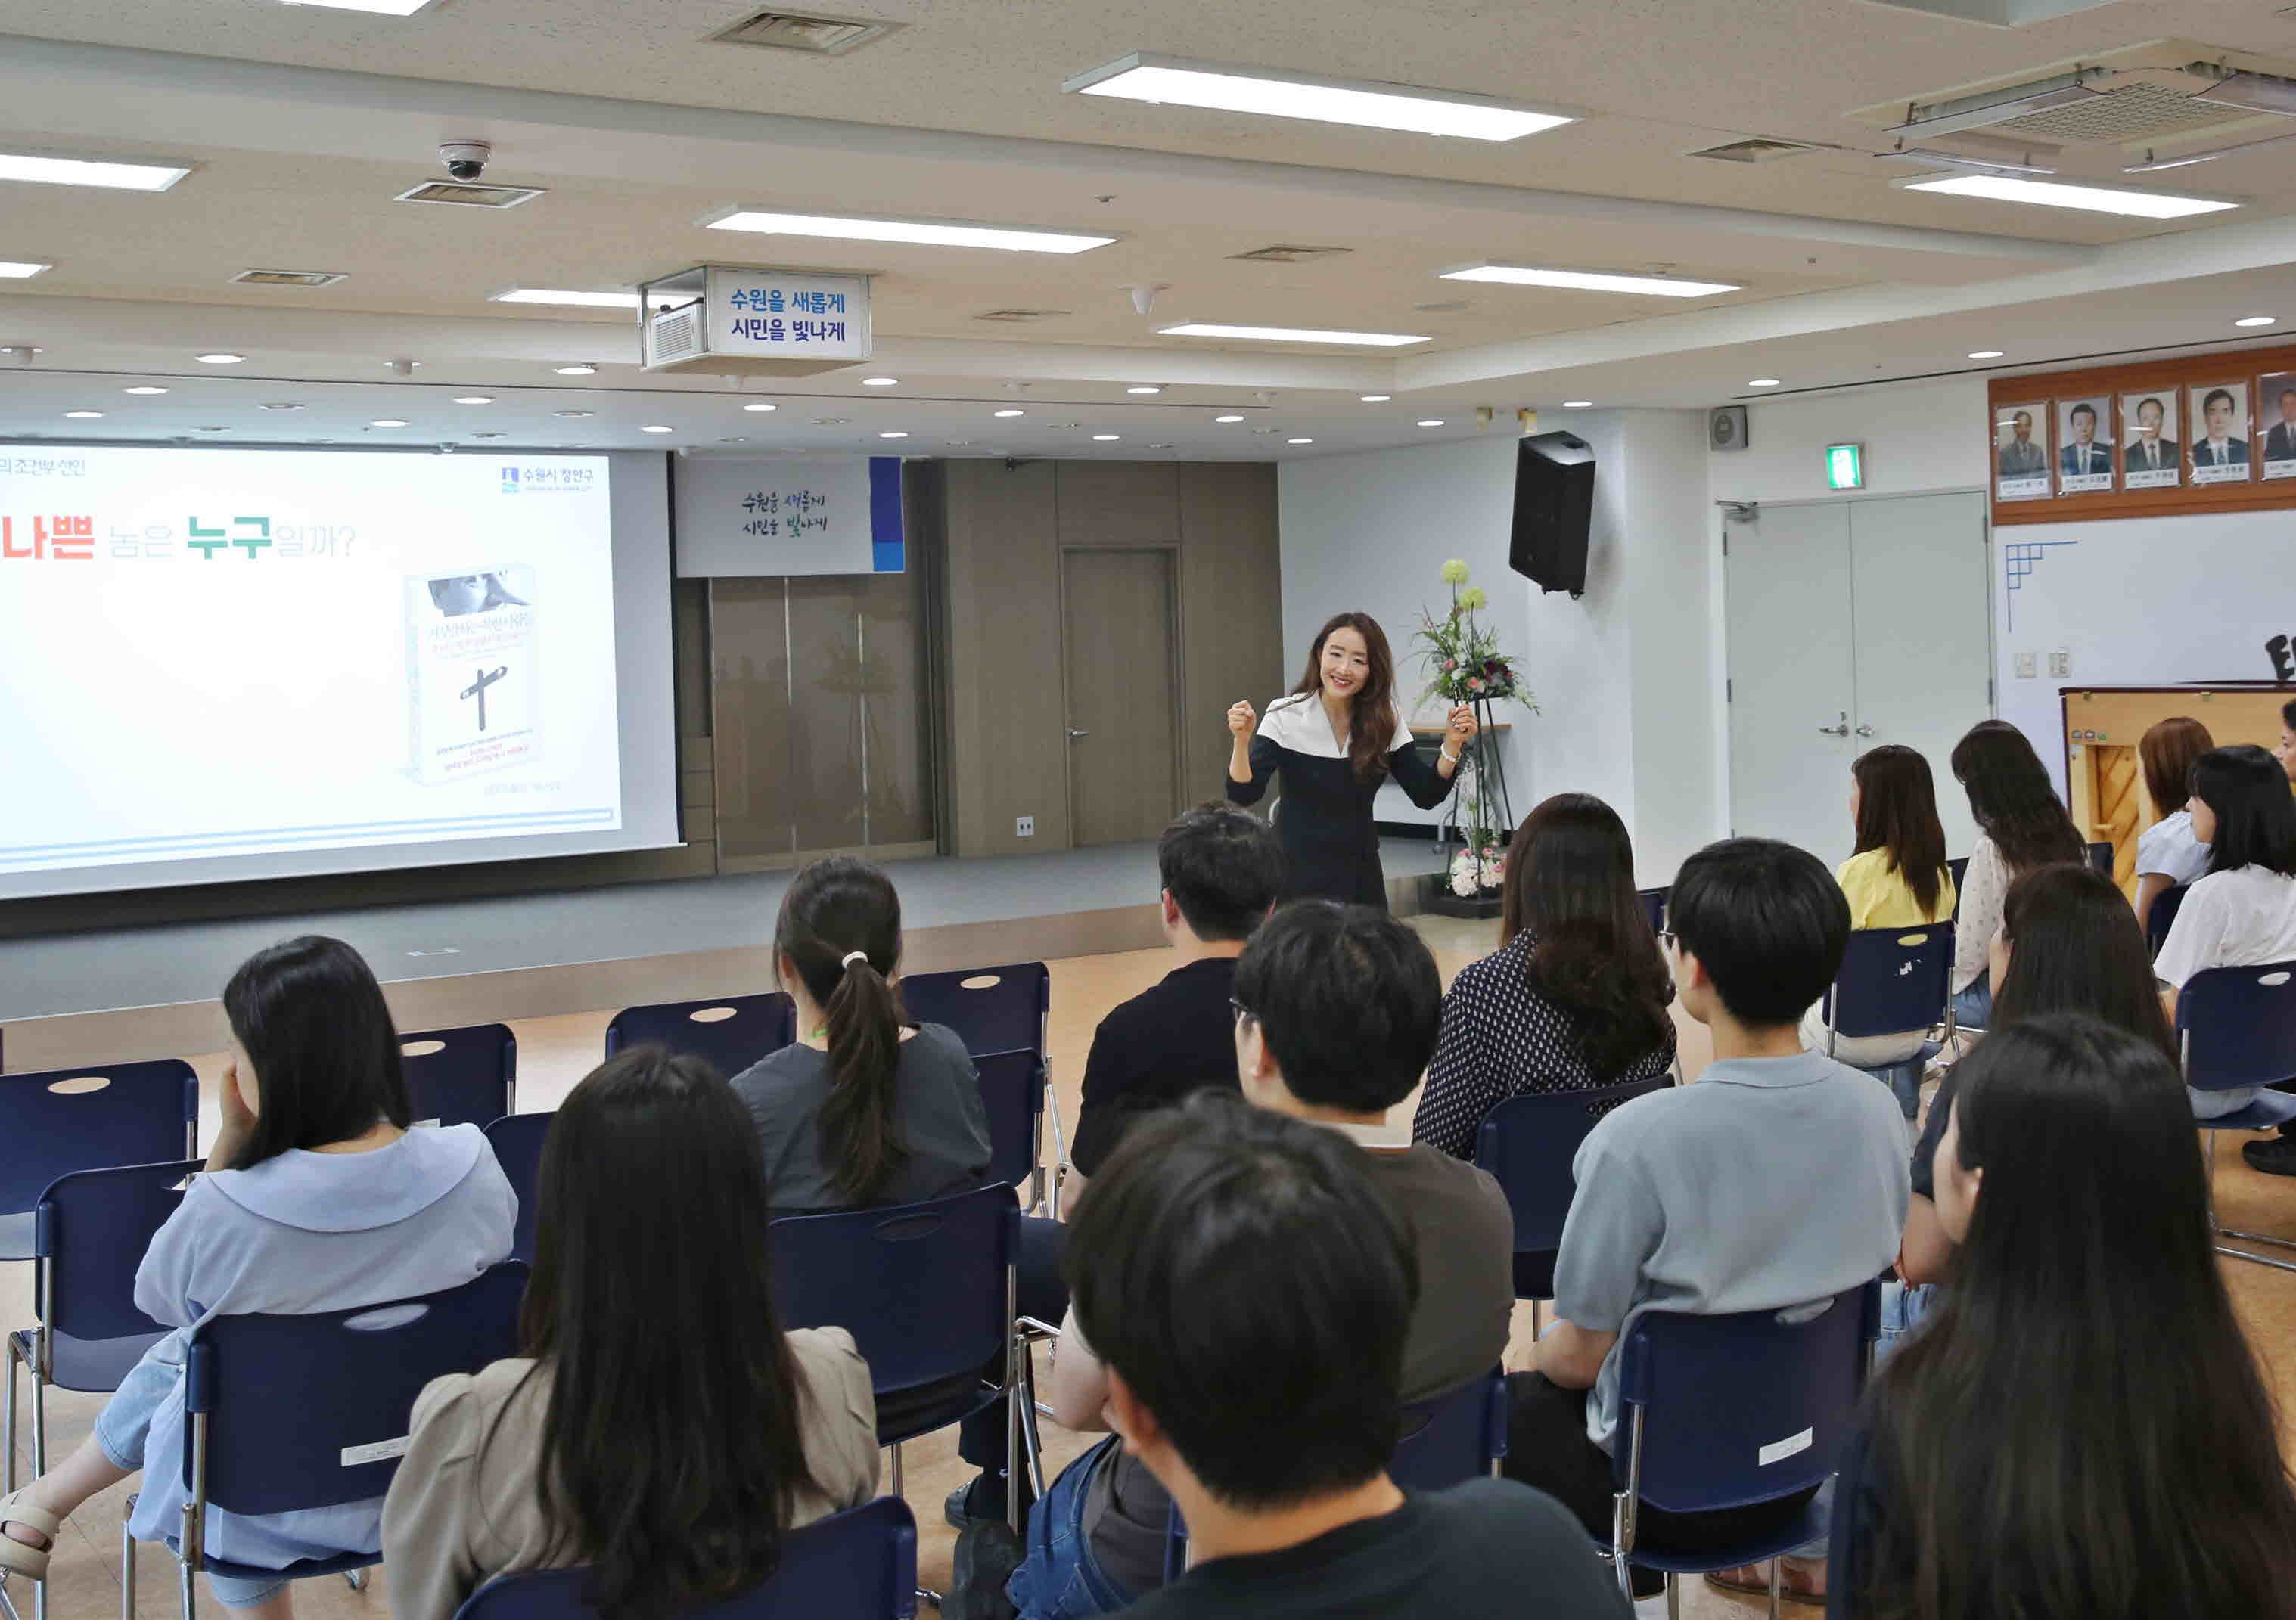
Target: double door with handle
{"points": [[1852, 624]]}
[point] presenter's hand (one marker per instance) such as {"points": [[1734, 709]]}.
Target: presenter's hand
{"points": [[1462, 726], [1241, 718]]}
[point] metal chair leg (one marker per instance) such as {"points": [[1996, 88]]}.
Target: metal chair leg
{"points": [[355, 1579], [8, 1425], [186, 1596], [1673, 1597], [1619, 1547], [896, 1469], [1777, 1582], [127, 1565]]}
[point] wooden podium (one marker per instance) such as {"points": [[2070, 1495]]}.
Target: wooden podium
{"points": [[2102, 775]]}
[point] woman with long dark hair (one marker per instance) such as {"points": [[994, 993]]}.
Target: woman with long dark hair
{"points": [[2167, 852], [1575, 997], [2021, 824], [660, 1427], [1335, 740], [2080, 1427], [317, 1196]]}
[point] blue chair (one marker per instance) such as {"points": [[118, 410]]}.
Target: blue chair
{"points": [[1654, 906], [517, 1143], [995, 1010], [2099, 857], [1012, 1089], [2238, 1027], [273, 1404], [2162, 916], [861, 1563], [95, 1117], [1892, 980], [731, 1031], [1959, 868], [926, 1290], [1733, 1412], [462, 1076], [1526, 1144]]}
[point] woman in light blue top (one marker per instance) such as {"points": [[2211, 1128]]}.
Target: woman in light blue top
{"points": [[317, 1196]]}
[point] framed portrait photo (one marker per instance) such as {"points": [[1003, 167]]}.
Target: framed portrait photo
{"points": [[2220, 430], [2021, 451], [2152, 452], [2084, 458]]}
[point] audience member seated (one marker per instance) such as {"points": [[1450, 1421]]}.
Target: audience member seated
{"points": [[1336, 1013], [2021, 824], [1778, 1180], [2081, 1428], [659, 1429], [1575, 997], [1897, 878], [2167, 852], [1251, 1290], [2243, 911], [2069, 944], [1222, 869], [317, 1196], [2286, 752]]}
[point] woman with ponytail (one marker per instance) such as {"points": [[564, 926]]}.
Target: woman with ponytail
{"points": [[863, 1108]]}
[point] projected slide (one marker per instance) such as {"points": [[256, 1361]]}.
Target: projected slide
{"points": [[216, 652]]}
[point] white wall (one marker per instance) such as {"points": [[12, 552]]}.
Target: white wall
{"points": [[1918, 436]]}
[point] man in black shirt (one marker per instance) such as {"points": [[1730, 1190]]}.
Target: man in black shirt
{"points": [[1248, 1287], [1222, 869]]}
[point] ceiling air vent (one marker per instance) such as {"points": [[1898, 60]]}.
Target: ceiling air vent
{"points": [[1285, 253], [1022, 314], [460, 195], [816, 36], [1756, 148], [288, 278]]}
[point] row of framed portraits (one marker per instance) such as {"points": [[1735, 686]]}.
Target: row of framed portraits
{"points": [[2197, 434]]}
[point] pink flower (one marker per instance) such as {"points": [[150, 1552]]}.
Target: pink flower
{"points": [[1474, 682], [1450, 663]]}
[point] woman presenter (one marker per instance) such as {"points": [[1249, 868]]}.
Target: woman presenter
{"points": [[1336, 738]]}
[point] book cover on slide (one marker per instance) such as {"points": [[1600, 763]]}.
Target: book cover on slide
{"points": [[472, 704]]}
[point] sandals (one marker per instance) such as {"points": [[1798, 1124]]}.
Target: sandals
{"points": [[1789, 1589], [20, 1557]]}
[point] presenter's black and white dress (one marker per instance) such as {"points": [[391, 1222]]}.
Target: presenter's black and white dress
{"points": [[1325, 819]]}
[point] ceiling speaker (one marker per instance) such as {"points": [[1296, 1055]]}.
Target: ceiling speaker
{"points": [[1726, 428]]}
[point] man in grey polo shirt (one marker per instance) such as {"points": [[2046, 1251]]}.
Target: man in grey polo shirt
{"points": [[1777, 1180]]}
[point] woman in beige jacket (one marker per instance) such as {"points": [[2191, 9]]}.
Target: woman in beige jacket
{"points": [[661, 1430]]}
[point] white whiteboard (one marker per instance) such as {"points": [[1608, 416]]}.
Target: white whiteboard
{"points": [[750, 515], [2140, 602]]}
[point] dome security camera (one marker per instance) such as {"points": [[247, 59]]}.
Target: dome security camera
{"points": [[465, 160]]}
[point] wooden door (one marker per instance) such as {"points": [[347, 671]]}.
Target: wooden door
{"points": [[1120, 643]]}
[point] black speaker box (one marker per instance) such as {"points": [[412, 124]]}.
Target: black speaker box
{"points": [[1554, 506]]}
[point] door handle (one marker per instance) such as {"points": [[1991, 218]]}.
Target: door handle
{"points": [[1073, 733], [1865, 731], [1840, 729]]}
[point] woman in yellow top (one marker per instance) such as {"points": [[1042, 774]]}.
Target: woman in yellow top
{"points": [[1898, 878]]}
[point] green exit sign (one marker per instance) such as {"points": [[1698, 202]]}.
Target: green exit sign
{"points": [[1845, 466]]}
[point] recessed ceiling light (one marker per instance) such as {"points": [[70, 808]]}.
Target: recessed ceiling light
{"points": [[924, 233], [760, 405], [1008, 412], [1228, 419], [572, 413], [585, 370], [388, 421], [17, 270], [832, 421], [582, 300], [1432, 421], [1375, 398], [2256, 321], [85, 415], [220, 358], [881, 382], [895, 433], [144, 389], [1289, 334], [474, 399], [1298, 441], [657, 428], [1761, 382], [1984, 354], [1161, 447], [736, 440], [1366, 103], [1103, 438], [1062, 426], [2064, 195], [1577, 404], [44, 169], [282, 405], [1590, 280], [1145, 387]]}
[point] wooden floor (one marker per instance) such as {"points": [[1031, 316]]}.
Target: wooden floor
{"points": [[554, 1052]]}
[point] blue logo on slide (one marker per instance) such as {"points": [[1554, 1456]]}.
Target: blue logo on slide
{"points": [[510, 480]]}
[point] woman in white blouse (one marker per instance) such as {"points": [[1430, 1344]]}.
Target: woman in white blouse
{"points": [[2021, 825], [2168, 853]]}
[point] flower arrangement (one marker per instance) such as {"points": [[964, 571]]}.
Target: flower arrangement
{"points": [[1465, 665], [1474, 873]]}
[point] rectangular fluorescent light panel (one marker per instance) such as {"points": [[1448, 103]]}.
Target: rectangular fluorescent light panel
{"points": [[14, 271], [1364, 103], [587, 300], [2059, 194], [927, 232], [89, 171], [1288, 334], [1590, 280]]}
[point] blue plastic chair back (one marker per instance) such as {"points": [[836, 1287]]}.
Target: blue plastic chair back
{"points": [[1454, 1437], [1892, 980], [921, 1286], [1012, 1089], [861, 1563], [90, 1231], [517, 1141], [470, 1079], [1959, 868], [286, 1397], [755, 1027], [2099, 857], [1527, 1145], [2162, 916], [143, 1114], [2238, 1027], [992, 1010], [1741, 1408], [1654, 906]]}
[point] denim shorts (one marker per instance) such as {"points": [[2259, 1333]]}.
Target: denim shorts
{"points": [[1059, 1579]]}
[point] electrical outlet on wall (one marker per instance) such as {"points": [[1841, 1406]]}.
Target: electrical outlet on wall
{"points": [[1024, 827], [2026, 667], [2061, 663]]}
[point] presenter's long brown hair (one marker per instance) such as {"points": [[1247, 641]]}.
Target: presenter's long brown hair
{"points": [[1371, 713]]}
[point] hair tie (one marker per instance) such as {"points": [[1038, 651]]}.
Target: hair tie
{"points": [[851, 957]]}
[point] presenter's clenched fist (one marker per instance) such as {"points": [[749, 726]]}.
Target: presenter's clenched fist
{"points": [[1241, 717], [1463, 725]]}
